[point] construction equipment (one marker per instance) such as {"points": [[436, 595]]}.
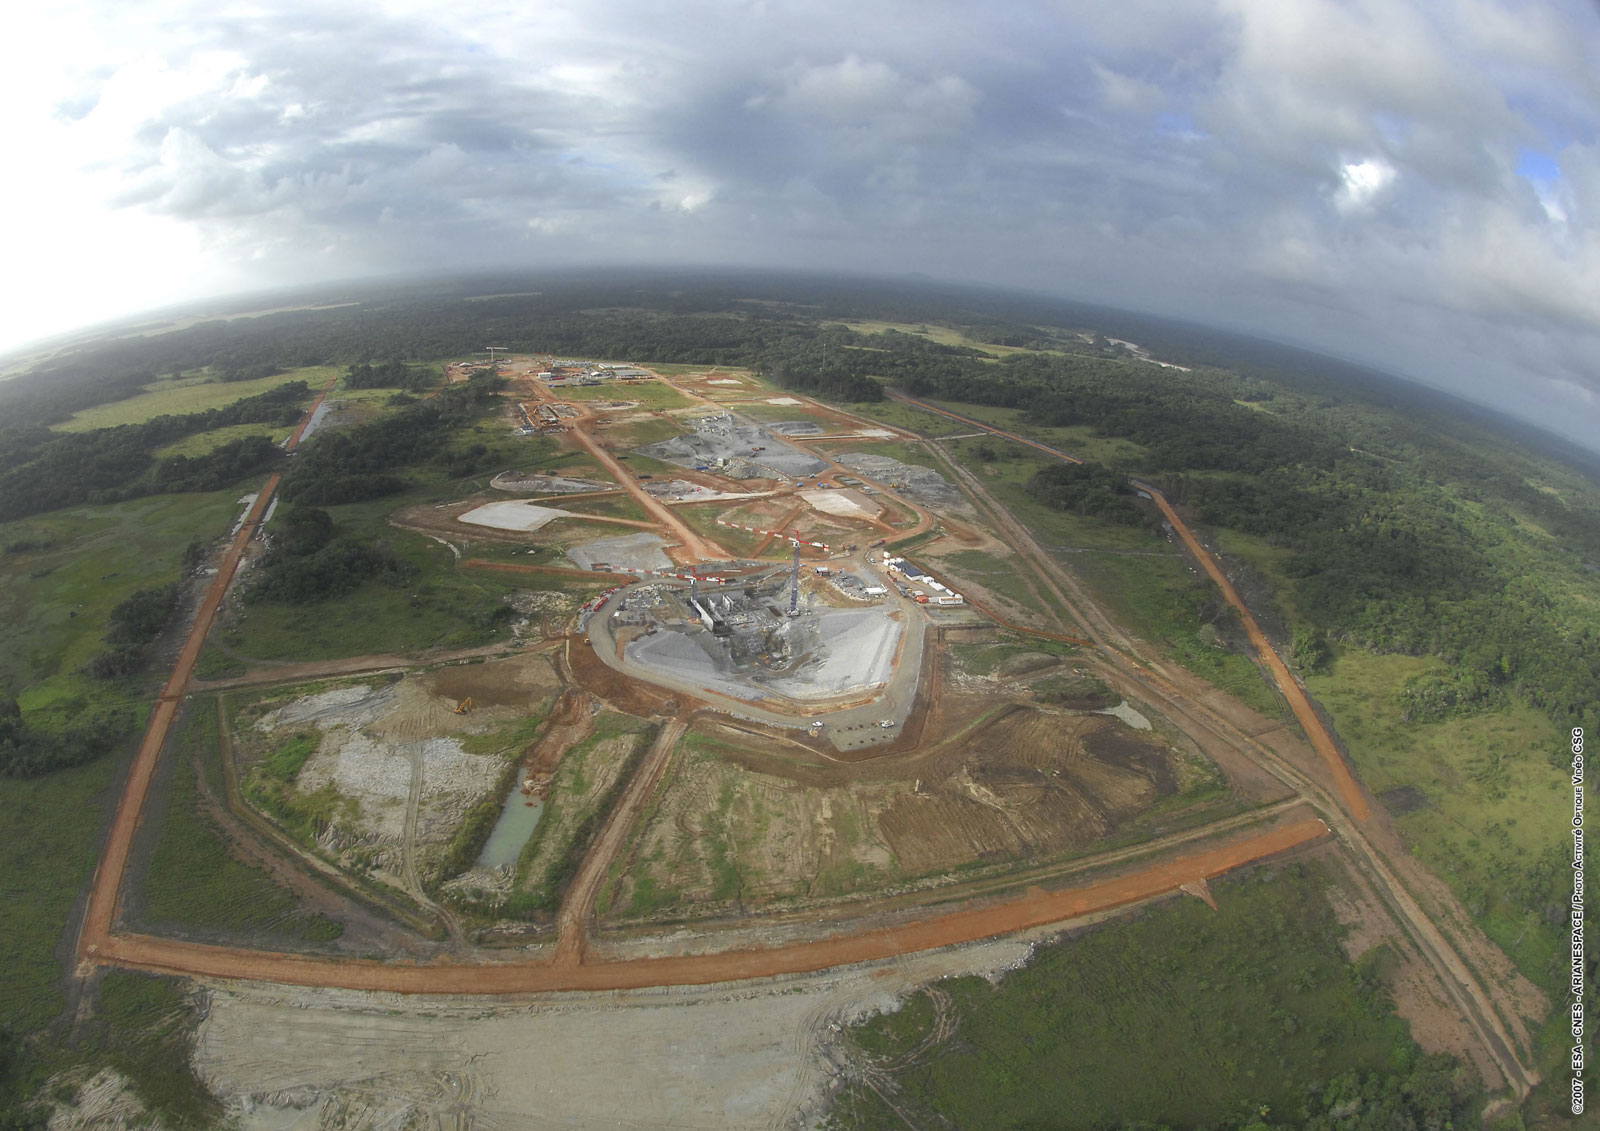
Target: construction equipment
{"points": [[464, 706]]}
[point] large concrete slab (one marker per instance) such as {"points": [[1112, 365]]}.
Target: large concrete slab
{"points": [[516, 515]]}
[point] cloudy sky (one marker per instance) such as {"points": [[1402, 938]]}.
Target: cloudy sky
{"points": [[1416, 184]]}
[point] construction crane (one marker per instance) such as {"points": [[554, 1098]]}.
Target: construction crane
{"points": [[492, 350]]}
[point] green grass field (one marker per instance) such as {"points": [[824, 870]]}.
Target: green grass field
{"points": [[1184, 1017], [1494, 790], [56, 600], [617, 506], [49, 841], [439, 607], [166, 397], [639, 433], [903, 416], [203, 443], [648, 394], [193, 880], [944, 335], [702, 519]]}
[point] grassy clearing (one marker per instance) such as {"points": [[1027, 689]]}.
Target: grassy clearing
{"points": [[638, 463], [618, 506], [639, 433], [1493, 788], [649, 394], [56, 600], [911, 419], [1184, 1017], [166, 397], [719, 835], [944, 335], [550, 453], [440, 607], [702, 519], [913, 454], [1078, 440], [989, 659], [203, 443], [994, 573], [193, 880], [764, 413]]}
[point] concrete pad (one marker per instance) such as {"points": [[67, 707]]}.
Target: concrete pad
{"points": [[520, 516], [724, 381], [844, 504], [627, 552], [782, 400]]}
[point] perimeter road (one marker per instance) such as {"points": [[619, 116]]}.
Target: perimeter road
{"points": [[1035, 908], [1349, 789], [105, 894]]}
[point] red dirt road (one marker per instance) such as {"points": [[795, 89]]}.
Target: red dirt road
{"points": [[104, 895], [1034, 909], [1350, 793], [572, 968]]}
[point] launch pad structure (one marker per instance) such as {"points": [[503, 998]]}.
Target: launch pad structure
{"points": [[764, 648]]}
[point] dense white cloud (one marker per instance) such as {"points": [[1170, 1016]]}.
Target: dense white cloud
{"points": [[1415, 184]]}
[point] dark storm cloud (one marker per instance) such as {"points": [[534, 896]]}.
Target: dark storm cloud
{"points": [[1344, 174]]}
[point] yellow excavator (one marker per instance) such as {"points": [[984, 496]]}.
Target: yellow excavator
{"points": [[464, 706]]}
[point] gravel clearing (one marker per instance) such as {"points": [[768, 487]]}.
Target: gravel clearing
{"points": [[375, 775], [725, 437], [718, 1058], [922, 483], [372, 743], [626, 552], [845, 504], [350, 706], [546, 484]]}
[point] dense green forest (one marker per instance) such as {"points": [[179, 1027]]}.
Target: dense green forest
{"points": [[1389, 550], [365, 462], [41, 470], [1378, 509], [1090, 489], [309, 561]]}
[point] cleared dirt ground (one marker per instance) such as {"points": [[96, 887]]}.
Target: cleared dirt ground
{"points": [[744, 821], [395, 756], [738, 1057]]}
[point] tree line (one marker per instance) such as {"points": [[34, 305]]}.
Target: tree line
{"points": [[41, 470], [365, 462]]}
